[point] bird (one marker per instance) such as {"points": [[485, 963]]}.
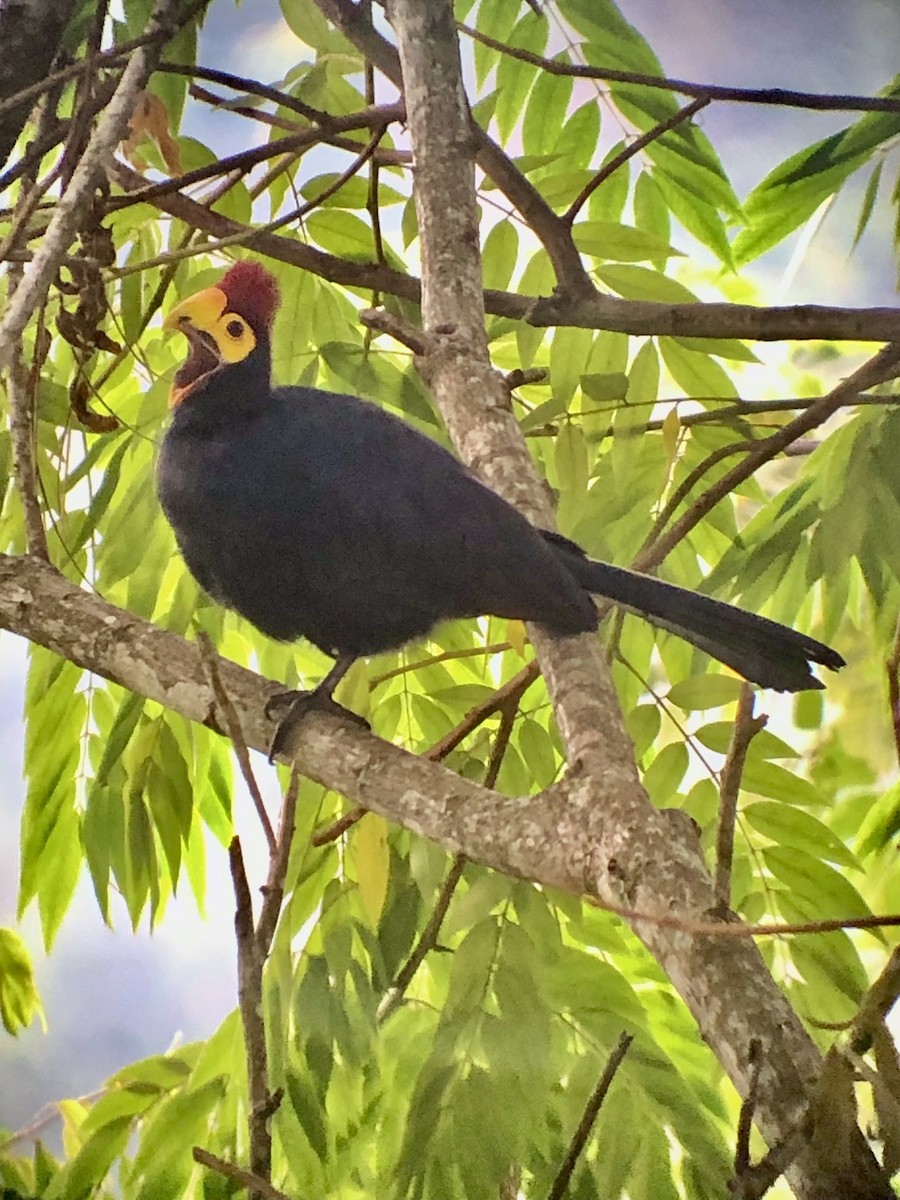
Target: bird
{"points": [[319, 515]]}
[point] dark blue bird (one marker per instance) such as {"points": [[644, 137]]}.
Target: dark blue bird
{"points": [[321, 516]]}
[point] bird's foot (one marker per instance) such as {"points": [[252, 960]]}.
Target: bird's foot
{"points": [[289, 709]]}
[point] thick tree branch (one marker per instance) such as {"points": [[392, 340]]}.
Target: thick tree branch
{"points": [[638, 317]]}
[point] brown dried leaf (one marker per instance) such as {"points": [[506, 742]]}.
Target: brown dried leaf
{"points": [[151, 119], [79, 394]]}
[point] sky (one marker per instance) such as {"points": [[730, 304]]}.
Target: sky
{"points": [[112, 996]]}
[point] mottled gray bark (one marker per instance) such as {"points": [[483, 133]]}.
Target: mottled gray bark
{"points": [[31, 33]]}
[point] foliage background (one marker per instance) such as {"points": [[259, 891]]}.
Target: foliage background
{"points": [[829, 980]]}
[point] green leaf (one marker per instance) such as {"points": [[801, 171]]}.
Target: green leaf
{"points": [[696, 373], [620, 243], [501, 250], [640, 283], [19, 999], [768, 779], [179, 1123], [705, 691], [514, 78], [717, 736], [868, 203], [85, 1173], [789, 826], [545, 112], [665, 773], [824, 891], [308, 1110]]}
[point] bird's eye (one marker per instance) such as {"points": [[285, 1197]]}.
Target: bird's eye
{"points": [[234, 328]]}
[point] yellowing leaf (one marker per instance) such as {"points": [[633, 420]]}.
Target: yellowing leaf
{"points": [[372, 859], [19, 1000], [515, 635], [353, 689], [671, 427]]}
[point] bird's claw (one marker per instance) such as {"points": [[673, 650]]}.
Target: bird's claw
{"points": [[298, 704]]}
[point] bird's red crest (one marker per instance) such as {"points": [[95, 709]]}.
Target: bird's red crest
{"points": [[252, 292]]}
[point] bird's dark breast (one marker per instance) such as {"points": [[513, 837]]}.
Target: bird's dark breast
{"points": [[320, 520]]}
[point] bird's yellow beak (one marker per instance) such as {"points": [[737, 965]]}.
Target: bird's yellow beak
{"points": [[201, 310], [216, 337]]}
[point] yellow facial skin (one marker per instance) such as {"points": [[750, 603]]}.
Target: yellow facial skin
{"points": [[229, 338]]}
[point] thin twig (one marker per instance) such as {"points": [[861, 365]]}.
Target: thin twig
{"points": [[797, 322], [429, 936], [877, 1003], [427, 941], [20, 389], [405, 332], [589, 1116], [877, 369], [746, 727], [892, 667], [253, 1183], [232, 723], [273, 889], [748, 1108], [250, 967], [632, 149], [780, 97], [377, 118], [444, 656], [737, 929]]}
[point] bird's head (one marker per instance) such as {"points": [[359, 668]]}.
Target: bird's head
{"points": [[224, 325]]}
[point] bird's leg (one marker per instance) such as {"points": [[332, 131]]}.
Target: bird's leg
{"points": [[317, 699]]}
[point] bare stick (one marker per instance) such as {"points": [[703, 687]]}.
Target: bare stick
{"points": [[427, 941], [232, 724], [273, 889], [748, 1107], [746, 727], [589, 1116], [250, 967], [892, 667], [20, 388], [877, 369], [630, 151], [429, 936], [781, 97], [590, 311], [254, 1183], [877, 1003]]}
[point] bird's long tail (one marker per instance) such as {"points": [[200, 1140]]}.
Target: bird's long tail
{"points": [[761, 650]]}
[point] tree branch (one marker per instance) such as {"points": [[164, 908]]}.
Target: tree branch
{"points": [[781, 97], [746, 727], [589, 1117]]}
